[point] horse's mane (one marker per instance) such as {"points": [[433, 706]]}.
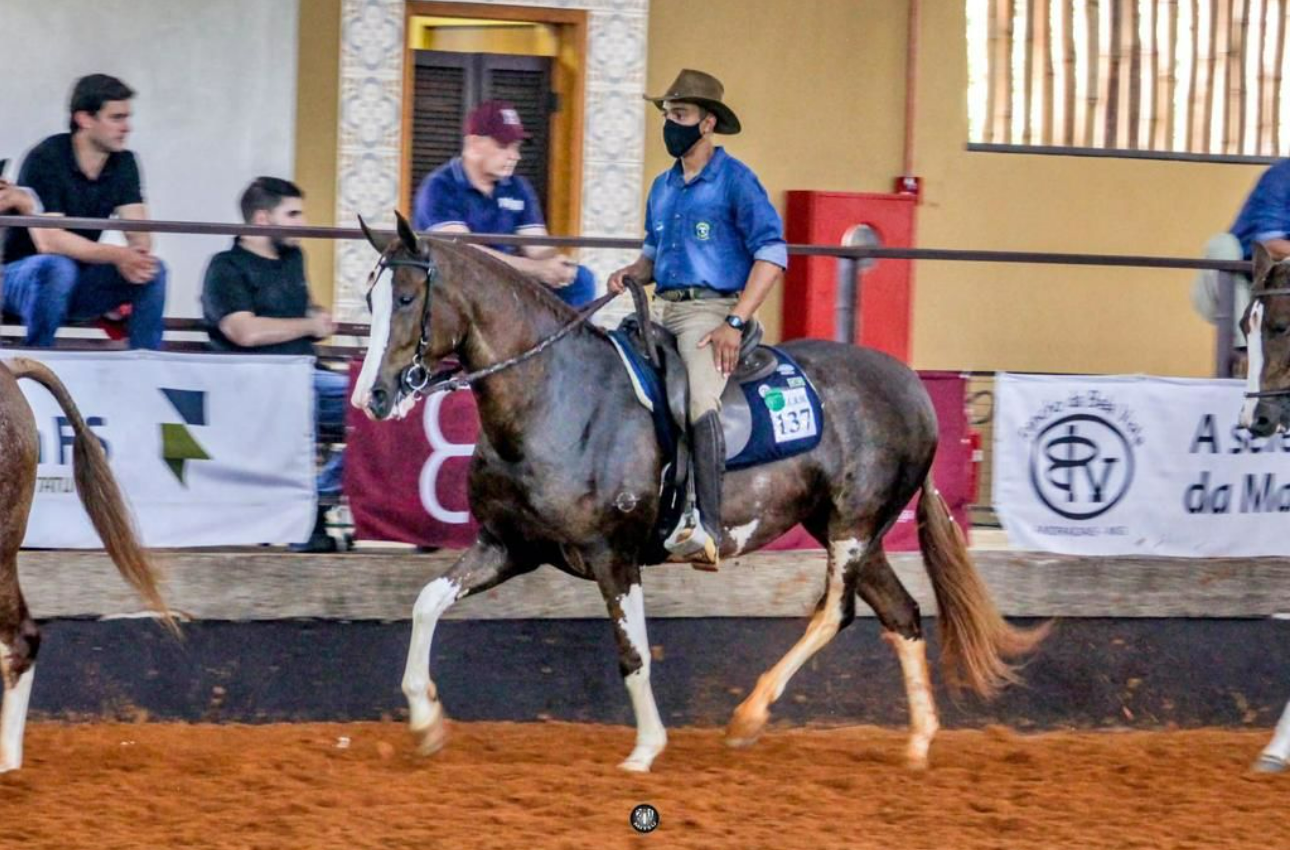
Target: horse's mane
{"points": [[467, 254]]}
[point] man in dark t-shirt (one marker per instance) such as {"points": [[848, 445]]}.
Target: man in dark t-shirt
{"points": [[52, 275], [255, 300]]}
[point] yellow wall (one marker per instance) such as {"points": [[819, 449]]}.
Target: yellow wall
{"points": [[819, 85], [317, 111]]}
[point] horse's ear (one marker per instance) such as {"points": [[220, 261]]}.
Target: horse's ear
{"points": [[1263, 264], [379, 242], [407, 235]]}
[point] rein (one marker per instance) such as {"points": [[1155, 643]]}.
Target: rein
{"points": [[417, 380]]}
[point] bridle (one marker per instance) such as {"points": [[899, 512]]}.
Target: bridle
{"points": [[417, 380], [1255, 296]]}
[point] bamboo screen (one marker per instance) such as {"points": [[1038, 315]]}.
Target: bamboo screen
{"points": [[1177, 76]]}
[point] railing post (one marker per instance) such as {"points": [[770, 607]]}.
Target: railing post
{"points": [[846, 313], [1224, 323]]}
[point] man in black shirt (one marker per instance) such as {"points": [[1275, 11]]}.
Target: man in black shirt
{"points": [[256, 300], [52, 275]]}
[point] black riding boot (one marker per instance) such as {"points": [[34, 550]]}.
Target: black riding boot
{"points": [[709, 465]]}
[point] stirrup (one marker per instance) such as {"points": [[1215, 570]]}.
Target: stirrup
{"points": [[690, 541]]}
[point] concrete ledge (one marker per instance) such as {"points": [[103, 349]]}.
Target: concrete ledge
{"points": [[268, 584]]}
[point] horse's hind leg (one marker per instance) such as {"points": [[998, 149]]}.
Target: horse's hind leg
{"points": [[480, 567], [898, 613], [19, 643], [834, 611]]}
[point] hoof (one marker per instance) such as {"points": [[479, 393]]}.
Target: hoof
{"points": [[432, 737], [635, 766], [745, 728], [1268, 764], [6, 767]]}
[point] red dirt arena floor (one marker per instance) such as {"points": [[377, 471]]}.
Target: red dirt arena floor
{"points": [[506, 785]]}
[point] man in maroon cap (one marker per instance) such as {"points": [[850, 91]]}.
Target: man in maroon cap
{"points": [[479, 192]]}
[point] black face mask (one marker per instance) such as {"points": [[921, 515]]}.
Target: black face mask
{"points": [[679, 138]]}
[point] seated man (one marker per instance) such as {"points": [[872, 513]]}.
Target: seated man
{"points": [[255, 299], [53, 275], [1265, 218], [479, 192]]}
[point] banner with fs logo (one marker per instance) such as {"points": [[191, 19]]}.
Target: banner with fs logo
{"points": [[1136, 465], [210, 450]]}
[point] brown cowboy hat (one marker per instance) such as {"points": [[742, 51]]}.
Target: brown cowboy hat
{"points": [[706, 91]]}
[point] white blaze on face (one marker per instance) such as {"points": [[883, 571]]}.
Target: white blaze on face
{"points": [[1254, 353], [377, 341]]}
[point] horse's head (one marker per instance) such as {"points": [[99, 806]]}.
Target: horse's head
{"points": [[407, 336], [1267, 329]]}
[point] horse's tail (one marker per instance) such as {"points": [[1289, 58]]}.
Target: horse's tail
{"points": [[975, 639], [100, 494]]}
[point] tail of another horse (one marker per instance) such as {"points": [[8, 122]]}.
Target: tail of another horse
{"points": [[100, 494], [976, 642]]}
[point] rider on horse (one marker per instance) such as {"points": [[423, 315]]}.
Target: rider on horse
{"points": [[714, 245]]}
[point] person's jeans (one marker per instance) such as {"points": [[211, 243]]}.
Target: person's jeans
{"points": [[47, 290], [331, 391], [581, 291]]}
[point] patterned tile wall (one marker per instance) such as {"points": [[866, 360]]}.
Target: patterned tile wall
{"points": [[371, 97]]}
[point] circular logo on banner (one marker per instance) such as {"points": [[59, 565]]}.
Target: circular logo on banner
{"points": [[644, 818], [1081, 466]]}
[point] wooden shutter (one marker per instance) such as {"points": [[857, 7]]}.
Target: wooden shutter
{"points": [[441, 100], [447, 86]]}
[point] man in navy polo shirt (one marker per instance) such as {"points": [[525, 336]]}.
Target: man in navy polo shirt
{"points": [[715, 247], [479, 192], [52, 275]]}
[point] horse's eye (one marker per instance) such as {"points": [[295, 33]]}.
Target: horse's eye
{"points": [[406, 300]]}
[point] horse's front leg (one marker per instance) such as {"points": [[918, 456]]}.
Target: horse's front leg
{"points": [[1274, 755], [484, 565], [620, 584]]}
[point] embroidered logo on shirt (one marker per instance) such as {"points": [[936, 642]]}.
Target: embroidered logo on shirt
{"points": [[702, 231], [510, 116], [512, 204]]}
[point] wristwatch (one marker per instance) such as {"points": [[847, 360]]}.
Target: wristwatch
{"points": [[737, 323]]}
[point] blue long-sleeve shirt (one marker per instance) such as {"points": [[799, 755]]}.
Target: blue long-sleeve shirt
{"points": [[1266, 214], [710, 231]]}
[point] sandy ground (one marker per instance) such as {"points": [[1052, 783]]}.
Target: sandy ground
{"points": [[555, 785]]}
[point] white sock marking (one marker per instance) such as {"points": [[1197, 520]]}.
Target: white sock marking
{"points": [[1279, 746], [742, 534], [651, 736], [13, 714], [435, 598]]}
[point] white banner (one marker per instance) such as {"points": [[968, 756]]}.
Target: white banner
{"points": [[1136, 466], [210, 450]]}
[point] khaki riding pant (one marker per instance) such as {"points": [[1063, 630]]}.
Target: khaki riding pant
{"points": [[691, 321]]}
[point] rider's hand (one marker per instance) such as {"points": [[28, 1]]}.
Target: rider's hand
{"points": [[136, 265], [725, 342], [615, 283]]}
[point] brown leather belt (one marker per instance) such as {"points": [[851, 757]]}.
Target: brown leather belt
{"points": [[694, 293]]}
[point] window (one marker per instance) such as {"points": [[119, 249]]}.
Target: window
{"points": [[1130, 77]]}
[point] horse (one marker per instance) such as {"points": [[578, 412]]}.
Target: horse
{"points": [[1266, 409], [102, 499], [567, 468]]}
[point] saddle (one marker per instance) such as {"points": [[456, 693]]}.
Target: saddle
{"points": [[769, 409]]}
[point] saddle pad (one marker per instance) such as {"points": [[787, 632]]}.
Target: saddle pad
{"points": [[787, 418], [649, 390]]}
